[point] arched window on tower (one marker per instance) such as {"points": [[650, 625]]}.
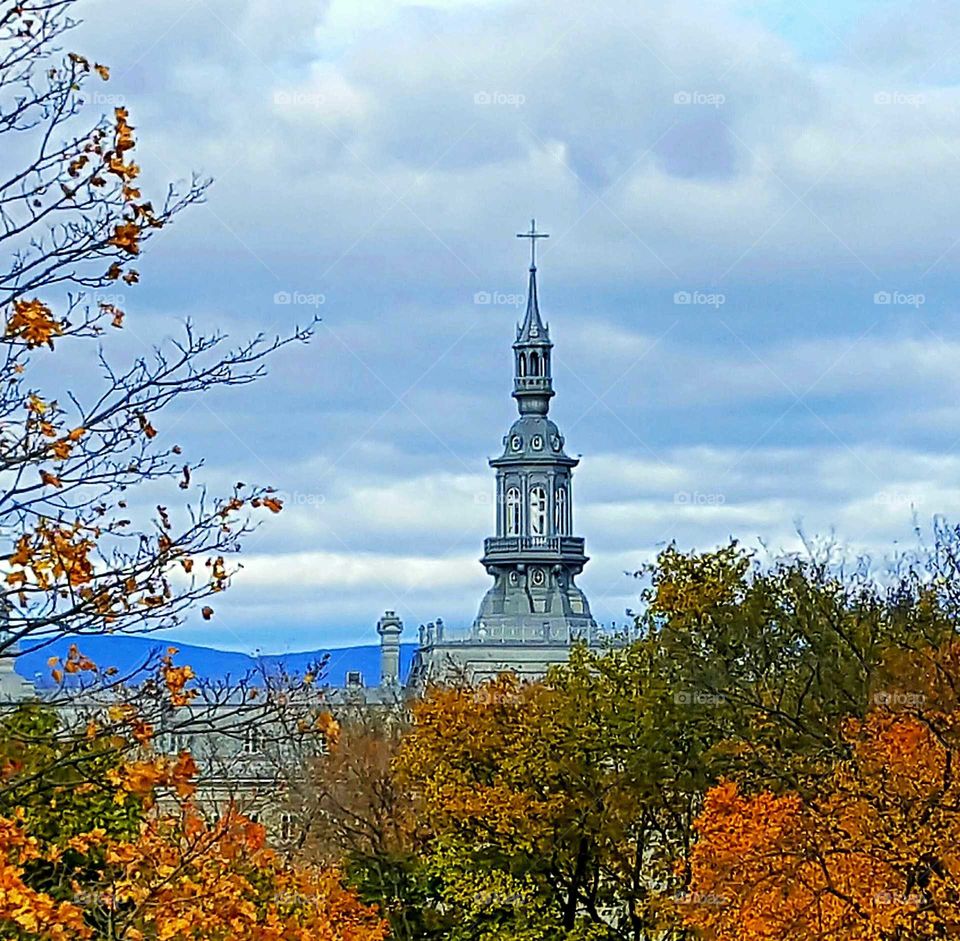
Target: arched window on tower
{"points": [[538, 511], [534, 363], [560, 511], [513, 512], [522, 365]]}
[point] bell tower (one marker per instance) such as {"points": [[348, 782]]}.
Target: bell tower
{"points": [[534, 557]]}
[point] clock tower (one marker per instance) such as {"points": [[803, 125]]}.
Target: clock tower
{"points": [[534, 557]]}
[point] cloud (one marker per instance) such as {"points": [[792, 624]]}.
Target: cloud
{"points": [[784, 170]]}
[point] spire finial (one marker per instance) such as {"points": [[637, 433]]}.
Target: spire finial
{"points": [[533, 235]]}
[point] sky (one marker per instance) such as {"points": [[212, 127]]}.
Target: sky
{"points": [[751, 277]]}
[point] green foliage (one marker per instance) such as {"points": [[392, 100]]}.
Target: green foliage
{"points": [[779, 656], [59, 780], [405, 891], [566, 809], [60, 776]]}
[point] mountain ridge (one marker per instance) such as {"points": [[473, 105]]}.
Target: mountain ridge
{"points": [[129, 653]]}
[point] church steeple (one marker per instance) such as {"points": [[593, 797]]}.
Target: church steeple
{"points": [[532, 382], [534, 557], [533, 328]]}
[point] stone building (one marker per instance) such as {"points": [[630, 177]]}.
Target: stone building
{"points": [[13, 688]]}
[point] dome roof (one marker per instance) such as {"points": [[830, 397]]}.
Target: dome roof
{"points": [[534, 438]]}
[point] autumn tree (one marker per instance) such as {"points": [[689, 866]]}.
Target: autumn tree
{"points": [[102, 833], [85, 556], [578, 796], [103, 838], [872, 855], [558, 809], [81, 430], [351, 809]]}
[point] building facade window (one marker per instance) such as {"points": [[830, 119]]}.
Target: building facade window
{"points": [[521, 365], [560, 510], [251, 741], [513, 512], [538, 511], [286, 826]]}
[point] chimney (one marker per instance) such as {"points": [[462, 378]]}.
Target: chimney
{"points": [[389, 627]]}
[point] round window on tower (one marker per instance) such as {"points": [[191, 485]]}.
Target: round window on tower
{"points": [[537, 443], [514, 578], [516, 442], [538, 577]]}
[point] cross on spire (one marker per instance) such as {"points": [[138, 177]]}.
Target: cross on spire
{"points": [[533, 235]]}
